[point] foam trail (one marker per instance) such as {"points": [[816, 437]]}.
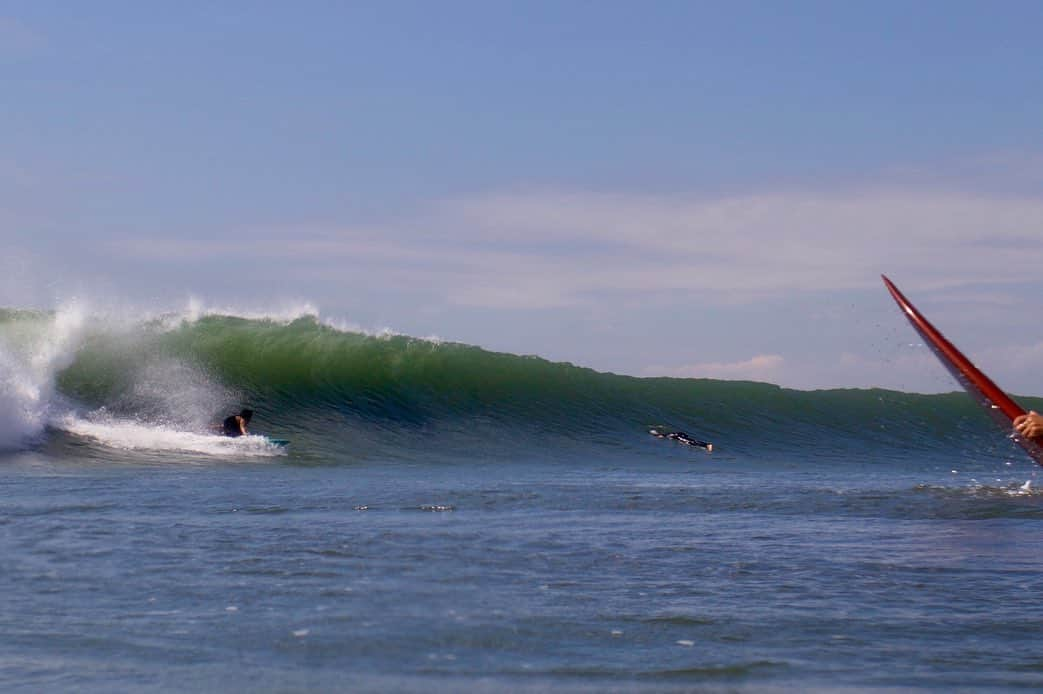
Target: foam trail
{"points": [[137, 436]]}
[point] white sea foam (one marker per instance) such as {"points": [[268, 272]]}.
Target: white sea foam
{"points": [[385, 333], [196, 310], [138, 436], [344, 326], [166, 390], [31, 356], [166, 399], [20, 416]]}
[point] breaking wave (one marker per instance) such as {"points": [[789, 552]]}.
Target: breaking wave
{"points": [[160, 381]]}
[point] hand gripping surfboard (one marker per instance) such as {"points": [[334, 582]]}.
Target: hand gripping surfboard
{"points": [[996, 403]]}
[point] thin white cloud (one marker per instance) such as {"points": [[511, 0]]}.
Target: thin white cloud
{"points": [[1014, 358], [551, 249], [914, 368], [907, 366], [788, 240], [763, 367]]}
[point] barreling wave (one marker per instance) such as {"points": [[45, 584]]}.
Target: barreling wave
{"points": [[378, 394]]}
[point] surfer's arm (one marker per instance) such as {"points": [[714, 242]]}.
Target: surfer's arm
{"points": [[1029, 425]]}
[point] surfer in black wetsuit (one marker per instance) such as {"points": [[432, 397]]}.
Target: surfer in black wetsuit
{"points": [[680, 437], [236, 424]]}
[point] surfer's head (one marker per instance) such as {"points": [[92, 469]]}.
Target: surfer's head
{"points": [[247, 415]]}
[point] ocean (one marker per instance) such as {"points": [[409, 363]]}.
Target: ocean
{"points": [[448, 518]]}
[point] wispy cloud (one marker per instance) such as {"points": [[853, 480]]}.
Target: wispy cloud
{"points": [[540, 249], [779, 241], [915, 368], [763, 367]]}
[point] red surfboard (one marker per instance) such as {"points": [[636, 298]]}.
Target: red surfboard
{"points": [[997, 404]]}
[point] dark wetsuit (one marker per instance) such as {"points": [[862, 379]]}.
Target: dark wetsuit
{"points": [[684, 438], [230, 427], [680, 437]]}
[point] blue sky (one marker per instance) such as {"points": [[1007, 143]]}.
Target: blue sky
{"points": [[653, 188]]}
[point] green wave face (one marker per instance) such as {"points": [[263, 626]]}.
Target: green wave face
{"points": [[342, 390]]}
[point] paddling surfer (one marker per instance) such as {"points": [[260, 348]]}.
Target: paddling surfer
{"points": [[236, 424], [680, 437]]}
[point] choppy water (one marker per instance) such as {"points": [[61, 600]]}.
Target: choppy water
{"points": [[450, 519]]}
